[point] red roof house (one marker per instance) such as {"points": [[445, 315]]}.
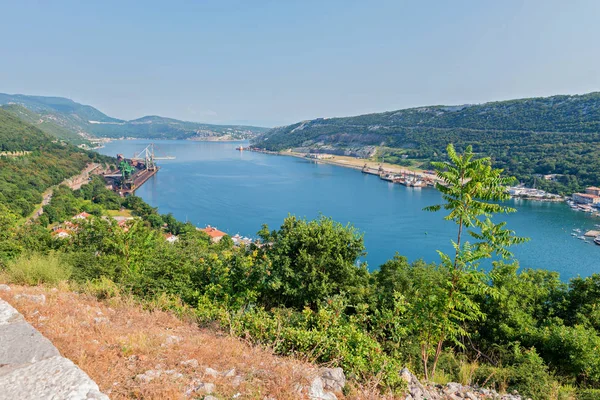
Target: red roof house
{"points": [[82, 215], [215, 234]]}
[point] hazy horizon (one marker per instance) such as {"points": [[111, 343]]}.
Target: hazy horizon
{"points": [[276, 63]]}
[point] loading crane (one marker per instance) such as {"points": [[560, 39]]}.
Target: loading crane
{"points": [[148, 158], [135, 171], [126, 174]]}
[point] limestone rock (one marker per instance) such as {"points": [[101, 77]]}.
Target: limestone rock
{"points": [[470, 396], [148, 376], [211, 372], [8, 314], [237, 380], [316, 391], [206, 388], [415, 389], [333, 379], [229, 373], [4, 288], [450, 391], [453, 388], [189, 363], [52, 378], [172, 340], [35, 298], [22, 344], [173, 374]]}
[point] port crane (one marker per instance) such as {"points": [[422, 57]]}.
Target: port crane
{"points": [[147, 157], [136, 170]]}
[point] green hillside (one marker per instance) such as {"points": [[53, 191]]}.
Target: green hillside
{"points": [[24, 178], [46, 124], [552, 135], [78, 118]]}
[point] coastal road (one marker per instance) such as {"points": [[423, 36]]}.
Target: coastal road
{"points": [[74, 182]]}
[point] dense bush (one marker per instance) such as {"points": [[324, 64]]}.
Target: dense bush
{"points": [[36, 269]]}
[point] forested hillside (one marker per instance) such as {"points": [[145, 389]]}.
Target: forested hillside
{"points": [[46, 123], [302, 290], [44, 162], [77, 118], [552, 135]]}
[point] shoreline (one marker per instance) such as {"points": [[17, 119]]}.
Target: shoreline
{"points": [[191, 140], [359, 163]]}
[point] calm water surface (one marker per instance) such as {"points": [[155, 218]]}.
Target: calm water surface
{"points": [[210, 183]]}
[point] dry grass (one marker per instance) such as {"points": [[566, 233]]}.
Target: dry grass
{"points": [[115, 340]]}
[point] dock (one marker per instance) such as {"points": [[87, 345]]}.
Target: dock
{"points": [[135, 171], [592, 233], [139, 179]]}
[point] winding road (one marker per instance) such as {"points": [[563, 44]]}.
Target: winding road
{"points": [[74, 182]]}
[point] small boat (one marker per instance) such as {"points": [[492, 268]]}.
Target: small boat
{"points": [[241, 148], [573, 234], [581, 237], [597, 240]]}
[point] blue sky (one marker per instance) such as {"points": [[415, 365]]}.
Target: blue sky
{"points": [[277, 62]]}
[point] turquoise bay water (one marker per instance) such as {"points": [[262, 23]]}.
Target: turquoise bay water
{"points": [[210, 183]]}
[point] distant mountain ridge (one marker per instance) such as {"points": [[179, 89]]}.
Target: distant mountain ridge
{"points": [[545, 135], [86, 121], [564, 113]]}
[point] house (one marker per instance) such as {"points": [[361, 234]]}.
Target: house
{"points": [[169, 237], [586, 198], [215, 234], [62, 233], [593, 190], [82, 215]]}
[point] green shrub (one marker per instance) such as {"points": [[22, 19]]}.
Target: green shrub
{"points": [[527, 373], [323, 336], [37, 268], [588, 394], [102, 288], [574, 351]]}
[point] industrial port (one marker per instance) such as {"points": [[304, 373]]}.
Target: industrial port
{"points": [[134, 172]]}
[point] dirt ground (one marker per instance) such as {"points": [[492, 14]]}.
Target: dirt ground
{"points": [[149, 354]]}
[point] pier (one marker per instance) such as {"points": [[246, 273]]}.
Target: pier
{"points": [[138, 180], [135, 171]]}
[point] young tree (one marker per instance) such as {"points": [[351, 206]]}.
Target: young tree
{"points": [[309, 261], [471, 189]]}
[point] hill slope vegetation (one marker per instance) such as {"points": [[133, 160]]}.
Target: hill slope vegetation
{"points": [[44, 162], [46, 123], [551, 135], [304, 292], [83, 119]]}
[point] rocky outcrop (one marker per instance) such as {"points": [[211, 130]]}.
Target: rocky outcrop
{"points": [[451, 391], [333, 379], [324, 385], [32, 368]]}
